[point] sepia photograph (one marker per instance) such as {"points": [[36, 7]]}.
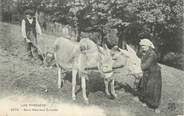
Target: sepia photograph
{"points": [[91, 58]]}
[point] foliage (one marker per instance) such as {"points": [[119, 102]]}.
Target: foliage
{"points": [[159, 20]]}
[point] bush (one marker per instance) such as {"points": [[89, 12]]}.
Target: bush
{"points": [[174, 59]]}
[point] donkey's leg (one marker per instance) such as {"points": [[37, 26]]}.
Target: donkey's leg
{"points": [[106, 87], [59, 77], [83, 80], [74, 76], [112, 89]]}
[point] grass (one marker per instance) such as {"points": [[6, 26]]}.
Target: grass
{"points": [[20, 77]]}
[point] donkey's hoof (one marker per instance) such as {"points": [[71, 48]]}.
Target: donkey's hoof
{"points": [[109, 96], [157, 111], [87, 102], [136, 99], [74, 98], [60, 85], [115, 96]]}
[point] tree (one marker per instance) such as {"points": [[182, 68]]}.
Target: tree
{"points": [[159, 20]]}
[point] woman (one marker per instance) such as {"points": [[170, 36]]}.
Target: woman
{"points": [[151, 83]]}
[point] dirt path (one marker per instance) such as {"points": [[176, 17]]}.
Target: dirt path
{"points": [[21, 79]]}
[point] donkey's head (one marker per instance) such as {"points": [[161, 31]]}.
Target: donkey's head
{"points": [[105, 63], [133, 62]]}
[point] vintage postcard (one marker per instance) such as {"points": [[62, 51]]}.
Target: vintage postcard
{"points": [[91, 58]]}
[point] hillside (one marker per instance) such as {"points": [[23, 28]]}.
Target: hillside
{"points": [[23, 81]]}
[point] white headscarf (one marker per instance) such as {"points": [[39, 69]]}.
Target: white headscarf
{"points": [[146, 42]]}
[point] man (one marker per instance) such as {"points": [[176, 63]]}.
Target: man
{"points": [[30, 29]]}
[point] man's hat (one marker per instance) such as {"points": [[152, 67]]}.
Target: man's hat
{"points": [[29, 12]]}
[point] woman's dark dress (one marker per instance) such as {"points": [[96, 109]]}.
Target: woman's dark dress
{"points": [[150, 85]]}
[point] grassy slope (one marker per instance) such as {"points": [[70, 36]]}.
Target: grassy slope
{"points": [[28, 78]]}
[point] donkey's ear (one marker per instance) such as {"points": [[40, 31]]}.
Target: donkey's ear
{"points": [[105, 46], [131, 50], [100, 50], [125, 52]]}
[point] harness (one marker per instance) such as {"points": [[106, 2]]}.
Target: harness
{"points": [[107, 73], [136, 80]]}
